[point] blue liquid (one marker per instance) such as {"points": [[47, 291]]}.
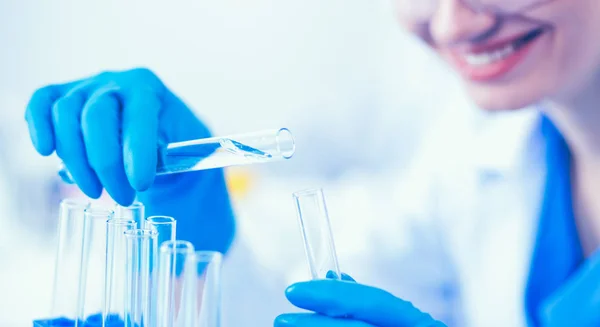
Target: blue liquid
{"points": [[222, 153], [184, 157]]}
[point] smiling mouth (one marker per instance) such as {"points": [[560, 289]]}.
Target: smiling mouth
{"points": [[494, 53], [491, 60]]}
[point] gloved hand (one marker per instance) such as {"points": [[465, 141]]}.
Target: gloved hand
{"points": [[107, 130], [345, 303]]}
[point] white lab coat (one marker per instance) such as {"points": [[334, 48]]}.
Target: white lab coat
{"points": [[453, 235], [484, 182]]}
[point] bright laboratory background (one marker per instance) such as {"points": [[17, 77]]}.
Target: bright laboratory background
{"points": [[356, 91]]}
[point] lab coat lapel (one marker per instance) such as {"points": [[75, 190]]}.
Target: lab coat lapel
{"points": [[497, 235]]}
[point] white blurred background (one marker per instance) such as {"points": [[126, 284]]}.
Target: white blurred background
{"points": [[356, 91]]}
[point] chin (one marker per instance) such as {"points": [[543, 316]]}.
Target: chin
{"points": [[492, 98]]}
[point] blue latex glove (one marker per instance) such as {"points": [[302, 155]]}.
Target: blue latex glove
{"points": [[107, 130], [345, 303]]}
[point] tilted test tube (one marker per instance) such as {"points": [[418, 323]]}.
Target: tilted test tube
{"points": [[218, 152]]}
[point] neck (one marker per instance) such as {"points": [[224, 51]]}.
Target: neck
{"points": [[577, 116], [578, 119]]}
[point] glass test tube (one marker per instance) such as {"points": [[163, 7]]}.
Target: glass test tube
{"points": [[316, 234], [68, 260], [217, 152], [165, 226], [141, 243], [171, 311], [93, 262], [133, 212], [116, 261], [204, 271]]}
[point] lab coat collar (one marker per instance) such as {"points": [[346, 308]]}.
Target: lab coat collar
{"points": [[505, 142]]}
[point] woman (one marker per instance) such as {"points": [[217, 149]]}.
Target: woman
{"points": [[528, 173], [520, 181]]}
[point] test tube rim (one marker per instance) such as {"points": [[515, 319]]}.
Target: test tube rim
{"points": [[120, 221], [135, 204], [98, 212], [75, 203], [140, 233], [308, 192], [285, 153], [211, 256], [167, 247], [168, 220]]}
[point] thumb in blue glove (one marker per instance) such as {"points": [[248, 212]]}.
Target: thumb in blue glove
{"points": [[345, 303]]}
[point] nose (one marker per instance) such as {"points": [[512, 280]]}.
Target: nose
{"points": [[455, 22]]}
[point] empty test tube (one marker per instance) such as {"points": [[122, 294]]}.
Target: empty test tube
{"points": [[133, 212], [93, 262], [68, 260], [141, 243], [116, 268], [204, 273], [171, 306], [217, 152], [316, 234], [190, 286], [165, 226]]}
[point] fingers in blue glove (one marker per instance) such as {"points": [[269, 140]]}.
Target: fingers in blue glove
{"points": [[140, 136], [70, 146], [333, 275], [104, 128], [337, 298], [39, 119], [38, 115], [315, 320], [101, 128]]}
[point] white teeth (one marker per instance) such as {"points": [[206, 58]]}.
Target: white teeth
{"points": [[486, 58]]}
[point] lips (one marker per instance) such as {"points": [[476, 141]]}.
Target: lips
{"points": [[490, 61]]}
